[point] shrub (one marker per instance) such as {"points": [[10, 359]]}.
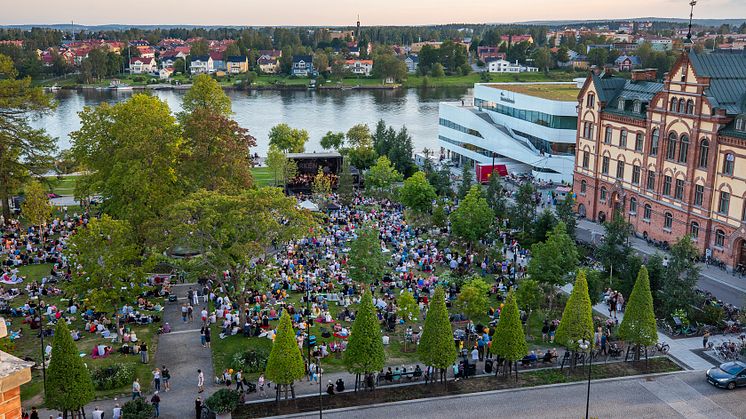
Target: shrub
{"points": [[138, 409], [223, 401], [113, 376], [251, 360]]}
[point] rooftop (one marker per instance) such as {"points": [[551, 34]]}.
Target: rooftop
{"points": [[551, 91]]}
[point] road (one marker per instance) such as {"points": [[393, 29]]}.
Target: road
{"points": [[682, 395]]}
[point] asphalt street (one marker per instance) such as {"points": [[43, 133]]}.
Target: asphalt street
{"points": [[681, 395]]}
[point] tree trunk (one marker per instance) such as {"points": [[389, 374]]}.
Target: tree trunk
{"points": [[4, 195], [292, 390]]}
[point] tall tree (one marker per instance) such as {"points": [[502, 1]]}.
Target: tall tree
{"points": [[279, 164], [365, 353], [346, 189], [359, 135], [366, 260], [509, 341], [473, 300], [69, 384], [417, 194], [495, 195], [524, 210], [436, 348], [285, 363], [473, 217], [467, 180], [553, 259], [381, 177], [566, 213], [529, 296], [322, 185], [577, 318], [23, 149], [638, 326], [206, 93], [681, 276], [291, 140], [36, 208], [333, 140]]}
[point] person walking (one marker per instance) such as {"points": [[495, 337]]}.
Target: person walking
{"points": [[208, 336], [136, 391], [260, 384], [239, 380], [705, 339], [157, 379], [166, 377], [190, 313], [97, 414], [184, 310], [156, 402], [116, 412], [35, 414], [200, 381], [144, 352], [202, 335]]}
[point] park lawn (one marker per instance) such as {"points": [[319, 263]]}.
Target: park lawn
{"points": [[278, 80], [414, 80], [262, 176], [64, 185]]}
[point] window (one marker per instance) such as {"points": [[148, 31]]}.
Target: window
{"points": [[646, 212], [637, 107], [743, 210], [586, 157], [607, 135], [654, 142], [588, 130], [635, 175], [682, 106], [684, 149], [623, 139], [620, 170], [671, 146], [603, 195], [605, 165], [672, 108], [633, 206], [694, 229], [704, 150], [719, 238], [728, 162], [699, 193], [741, 124], [668, 221], [679, 191], [724, 203], [690, 107], [452, 125], [620, 105], [651, 180], [583, 187], [590, 100], [639, 138], [667, 185]]}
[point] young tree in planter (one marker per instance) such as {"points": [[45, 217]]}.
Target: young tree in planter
{"points": [[436, 348], [366, 260], [364, 353], [408, 308], [473, 217], [509, 341], [577, 318], [638, 326], [69, 383], [528, 295], [473, 299], [553, 259], [285, 364], [417, 194]]}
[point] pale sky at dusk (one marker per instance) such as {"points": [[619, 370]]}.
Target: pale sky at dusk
{"points": [[340, 12]]}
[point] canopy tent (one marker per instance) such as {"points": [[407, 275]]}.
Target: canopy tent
{"points": [[309, 206]]}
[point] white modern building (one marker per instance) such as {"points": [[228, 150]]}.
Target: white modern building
{"points": [[504, 66], [524, 128]]}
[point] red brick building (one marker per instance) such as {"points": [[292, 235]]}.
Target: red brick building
{"points": [[671, 156]]}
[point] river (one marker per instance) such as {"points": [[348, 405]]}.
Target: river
{"points": [[316, 111]]}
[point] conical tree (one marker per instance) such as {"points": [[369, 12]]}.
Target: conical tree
{"points": [[436, 347], [509, 341], [577, 319], [285, 363], [69, 383], [346, 184], [364, 353], [638, 326]]}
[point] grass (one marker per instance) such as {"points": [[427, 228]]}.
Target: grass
{"points": [[62, 185], [262, 176], [564, 92], [471, 79]]}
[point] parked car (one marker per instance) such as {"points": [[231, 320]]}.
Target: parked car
{"points": [[728, 375]]}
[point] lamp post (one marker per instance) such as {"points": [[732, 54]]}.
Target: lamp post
{"points": [[318, 374], [586, 345], [43, 359]]}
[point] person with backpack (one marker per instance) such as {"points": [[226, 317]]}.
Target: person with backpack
{"points": [[156, 402]]}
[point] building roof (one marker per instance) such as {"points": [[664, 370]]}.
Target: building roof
{"points": [[201, 58], [552, 91], [727, 73], [142, 60], [329, 154], [237, 59], [299, 58]]}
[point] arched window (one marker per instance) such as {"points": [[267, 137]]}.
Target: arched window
{"points": [[672, 107], [633, 206], [637, 106], [694, 230], [590, 100], [583, 186], [704, 150], [603, 194], [719, 238], [682, 106], [684, 148], [728, 162], [668, 220], [690, 106], [623, 138], [654, 142], [671, 146], [646, 212]]}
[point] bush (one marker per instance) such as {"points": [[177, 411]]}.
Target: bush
{"points": [[251, 360], [223, 401], [113, 376], [138, 409], [712, 315]]}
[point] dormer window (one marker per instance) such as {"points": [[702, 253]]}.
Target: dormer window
{"points": [[741, 123], [620, 105], [637, 106]]}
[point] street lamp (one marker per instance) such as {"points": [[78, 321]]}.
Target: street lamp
{"points": [[43, 357], [318, 374], [586, 346]]}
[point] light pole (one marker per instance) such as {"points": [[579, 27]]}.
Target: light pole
{"points": [[318, 374], [43, 359], [586, 345]]}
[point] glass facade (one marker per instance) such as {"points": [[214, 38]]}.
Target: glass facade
{"points": [[461, 128], [470, 147], [548, 147], [539, 118]]}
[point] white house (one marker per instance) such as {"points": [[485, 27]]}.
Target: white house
{"points": [[359, 67], [412, 62], [504, 66], [141, 65], [169, 59], [201, 64], [165, 73]]}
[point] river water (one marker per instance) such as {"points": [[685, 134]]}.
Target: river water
{"points": [[315, 111]]}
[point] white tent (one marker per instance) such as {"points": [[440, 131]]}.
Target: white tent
{"points": [[309, 206]]}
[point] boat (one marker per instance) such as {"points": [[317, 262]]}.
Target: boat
{"points": [[53, 88], [119, 86]]}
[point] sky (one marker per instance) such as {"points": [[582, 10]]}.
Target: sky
{"points": [[344, 12]]}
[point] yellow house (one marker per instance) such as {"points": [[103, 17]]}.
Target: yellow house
{"points": [[237, 64]]}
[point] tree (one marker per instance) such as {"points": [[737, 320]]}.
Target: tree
{"points": [[577, 318], [566, 213], [598, 56], [543, 224], [529, 296], [436, 348], [69, 384], [438, 70], [467, 180], [680, 278], [441, 181], [366, 260], [509, 341], [110, 271], [362, 157], [417, 194], [365, 353], [495, 195], [382, 176], [290, 140], [407, 307], [23, 149], [473, 299], [132, 151], [200, 47], [279, 165], [439, 217], [359, 136], [401, 152], [473, 217], [206, 93], [285, 363], [346, 190], [386, 66], [542, 59], [524, 210], [554, 259], [333, 140], [35, 207], [616, 254], [382, 138], [138, 409], [322, 185], [638, 326]]}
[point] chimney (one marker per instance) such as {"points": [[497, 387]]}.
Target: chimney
{"points": [[595, 70], [645, 74]]}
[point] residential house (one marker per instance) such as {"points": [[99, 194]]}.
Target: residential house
{"points": [[201, 64], [416, 47], [146, 51], [165, 73], [359, 67], [302, 66], [627, 62], [140, 65], [504, 66], [516, 39], [237, 64], [485, 53], [218, 62], [168, 58], [580, 62], [412, 61], [657, 43]]}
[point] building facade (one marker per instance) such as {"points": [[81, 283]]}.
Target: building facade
{"points": [[515, 126], [670, 156]]}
